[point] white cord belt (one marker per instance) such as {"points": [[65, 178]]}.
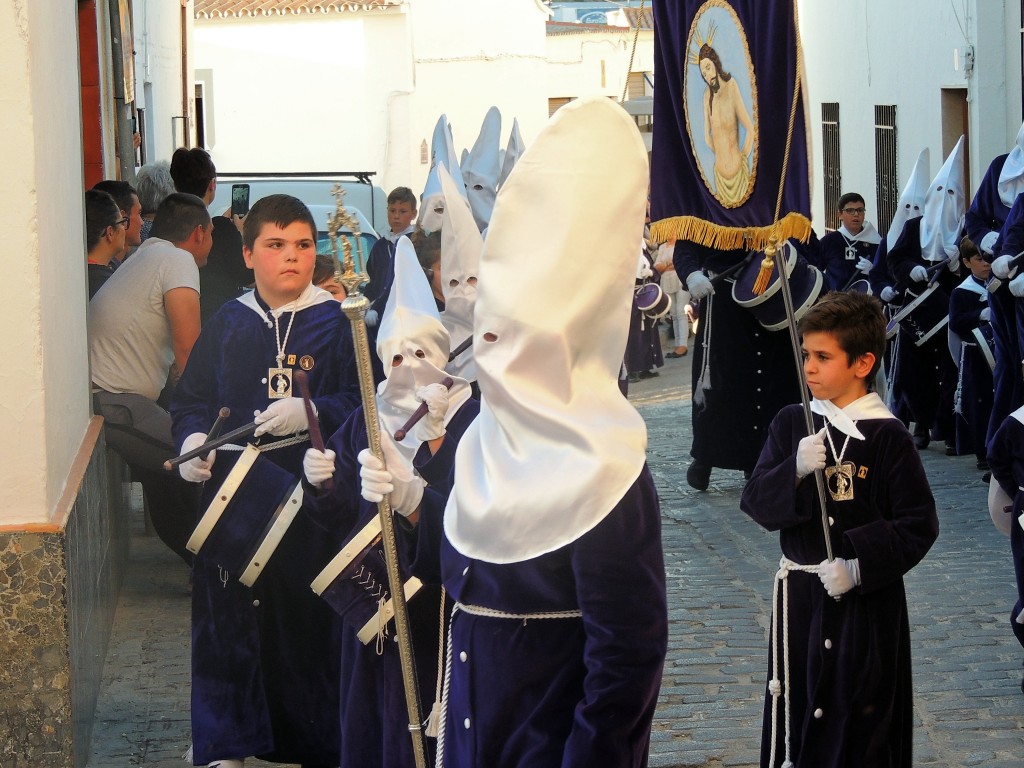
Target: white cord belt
{"points": [[775, 686], [492, 613]]}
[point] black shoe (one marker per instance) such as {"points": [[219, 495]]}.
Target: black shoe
{"points": [[986, 478], [698, 475], [921, 437], [950, 448], [634, 378], [648, 374], [747, 474]]}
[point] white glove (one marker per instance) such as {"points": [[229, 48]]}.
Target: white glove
{"points": [[888, 294], [282, 417], [864, 265], [919, 274], [1017, 286], [986, 315], [645, 271], [398, 480], [839, 576], [810, 454], [371, 318], [196, 470], [988, 242], [699, 285], [1001, 267], [318, 466], [431, 426]]}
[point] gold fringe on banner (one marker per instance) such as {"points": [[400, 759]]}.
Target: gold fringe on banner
{"points": [[725, 238]]}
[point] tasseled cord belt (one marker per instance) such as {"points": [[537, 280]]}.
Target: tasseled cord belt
{"points": [[775, 686], [477, 610]]}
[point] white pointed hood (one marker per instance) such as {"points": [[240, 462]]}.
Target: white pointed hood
{"points": [[480, 170], [442, 153], [944, 208], [513, 150], [556, 445], [461, 244], [1011, 177], [911, 202], [412, 331]]}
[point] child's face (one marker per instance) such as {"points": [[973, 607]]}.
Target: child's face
{"points": [[400, 216], [829, 374], [333, 287], [851, 216], [980, 268], [282, 260]]}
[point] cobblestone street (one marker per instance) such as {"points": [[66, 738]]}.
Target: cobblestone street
{"points": [[969, 709]]}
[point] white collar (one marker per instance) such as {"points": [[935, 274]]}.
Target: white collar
{"points": [[393, 236], [868, 234], [972, 285], [1018, 414], [311, 296], [845, 419]]}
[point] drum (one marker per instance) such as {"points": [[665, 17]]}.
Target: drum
{"points": [[1000, 507], [355, 583], [861, 286], [248, 517], [922, 316], [985, 339], [769, 308], [652, 301]]}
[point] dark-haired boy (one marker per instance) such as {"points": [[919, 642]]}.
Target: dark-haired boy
{"points": [[848, 251], [839, 686], [265, 659]]}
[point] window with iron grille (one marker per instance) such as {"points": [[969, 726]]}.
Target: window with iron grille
{"points": [[887, 190], [830, 163]]}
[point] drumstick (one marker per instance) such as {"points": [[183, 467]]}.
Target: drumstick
{"points": [[418, 414], [729, 272], [210, 445], [466, 342], [315, 437], [218, 424]]}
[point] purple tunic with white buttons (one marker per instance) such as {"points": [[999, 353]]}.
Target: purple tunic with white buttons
{"points": [[556, 692], [850, 676]]}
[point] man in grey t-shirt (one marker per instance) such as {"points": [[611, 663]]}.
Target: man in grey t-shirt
{"points": [[142, 325]]}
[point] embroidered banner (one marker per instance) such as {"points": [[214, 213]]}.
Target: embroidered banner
{"points": [[730, 155]]}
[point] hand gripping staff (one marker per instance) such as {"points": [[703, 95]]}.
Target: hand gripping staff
{"points": [[354, 307]]}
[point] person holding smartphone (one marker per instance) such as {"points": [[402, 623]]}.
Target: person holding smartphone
{"points": [[225, 276]]}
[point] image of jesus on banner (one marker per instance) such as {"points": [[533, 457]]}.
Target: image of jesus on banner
{"points": [[719, 101]]}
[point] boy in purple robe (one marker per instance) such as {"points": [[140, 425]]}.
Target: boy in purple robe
{"points": [[549, 542], [264, 659], [839, 686]]}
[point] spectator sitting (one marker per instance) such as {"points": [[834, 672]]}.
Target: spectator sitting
{"points": [[225, 276], [158, 289], [153, 183], [104, 236], [128, 201]]}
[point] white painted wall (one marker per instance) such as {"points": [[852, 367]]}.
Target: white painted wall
{"points": [[575, 61], [880, 52], [158, 73], [304, 93], [45, 408]]}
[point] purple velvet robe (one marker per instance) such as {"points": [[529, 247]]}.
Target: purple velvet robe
{"points": [[839, 270], [567, 692], [1006, 457], [975, 383], [373, 712], [849, 658], [987, 214], [264, 659]]}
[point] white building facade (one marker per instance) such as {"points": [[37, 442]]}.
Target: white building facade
{"points": [[917, 74]]}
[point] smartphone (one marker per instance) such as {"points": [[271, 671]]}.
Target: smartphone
{"points": [[239, 199]]}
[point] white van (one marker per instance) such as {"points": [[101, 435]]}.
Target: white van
{"points": [[363, 199]]}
